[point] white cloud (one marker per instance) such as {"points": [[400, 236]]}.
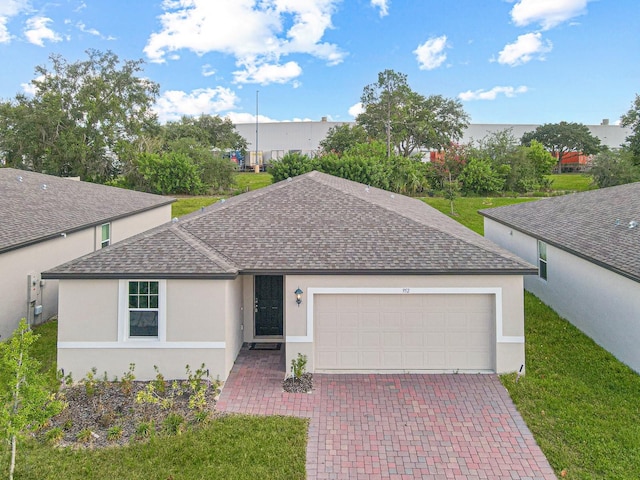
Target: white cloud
{"points": [[8, 9], [37, 31], [256, 32], [356, 109], [207, 71], [267, 73], [173, 104], [547, 13], [383, 5], [491, 94], [524, 49], [430, 54]]}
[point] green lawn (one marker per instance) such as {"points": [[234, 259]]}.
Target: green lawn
{"points": [[571, 182], [466, 208], [185, 205], [231, 447], [244, 182], [581, 404], [247, 181]]}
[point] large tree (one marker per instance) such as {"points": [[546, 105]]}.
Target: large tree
{"points": [[561, 138], [406, 120], [84, 118], [632, 119], [207, 130], [341, 138]]}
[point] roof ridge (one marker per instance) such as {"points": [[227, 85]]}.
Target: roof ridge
{"points": [[204, 249], [481, 242]]}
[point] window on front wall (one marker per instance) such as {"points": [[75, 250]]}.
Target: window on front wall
{"points": [[143, 309], [542, 260], [106, 235]]}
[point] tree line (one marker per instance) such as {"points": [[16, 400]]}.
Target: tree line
{"points": [[93, 119]]}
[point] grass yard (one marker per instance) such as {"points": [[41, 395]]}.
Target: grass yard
{"points": [[247, 181], [229, 447], [185, 205], [244, 182], [581, 404], [466, 208], [571, 182]]}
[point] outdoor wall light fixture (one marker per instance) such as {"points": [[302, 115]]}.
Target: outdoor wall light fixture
{"points": [[298, 293]]}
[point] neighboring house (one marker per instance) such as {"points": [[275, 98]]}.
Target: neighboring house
{"points": [[46, 221], [587, 248], [356, 278]]}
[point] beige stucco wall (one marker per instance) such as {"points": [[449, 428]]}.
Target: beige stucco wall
{"points": [[202, 326], [16, 265], [601, 303], [233, 321], [509, 356]]}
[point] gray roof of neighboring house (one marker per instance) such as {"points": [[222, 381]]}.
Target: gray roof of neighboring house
{"points": [[36, 207], [314, 223], [593, 225]]}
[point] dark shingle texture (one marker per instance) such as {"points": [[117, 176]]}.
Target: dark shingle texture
{"points": [[593, 225], [313, 223], [30, 212]]}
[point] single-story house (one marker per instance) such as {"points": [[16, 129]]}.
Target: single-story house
{"points": [[46, 221], [587, 248], [356, 278]]}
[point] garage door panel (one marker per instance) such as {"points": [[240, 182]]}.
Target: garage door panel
{"points": [[403, 332], [411, 339], [392, 339]]}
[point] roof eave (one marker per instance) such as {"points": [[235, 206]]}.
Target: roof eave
{"points": [[78, 228], [548, 241], [133, 275]]}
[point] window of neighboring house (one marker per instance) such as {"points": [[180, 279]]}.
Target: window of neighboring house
{"points": [[106, 235], [542, 260], [143, 309]]}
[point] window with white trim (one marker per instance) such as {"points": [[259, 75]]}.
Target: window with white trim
{"points": [[542, 260], [106, 235], [143, 309]]}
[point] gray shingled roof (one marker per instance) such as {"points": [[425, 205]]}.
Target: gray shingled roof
{"points": [[593, 225], [35, 207], [314, 223]]}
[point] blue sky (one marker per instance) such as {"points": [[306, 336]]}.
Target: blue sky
{"points": [[524, 61]]}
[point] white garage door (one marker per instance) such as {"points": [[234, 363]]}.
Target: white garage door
{"points": [[418, 332]]}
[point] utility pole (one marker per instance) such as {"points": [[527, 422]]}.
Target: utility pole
{"points": [[257, 162]]}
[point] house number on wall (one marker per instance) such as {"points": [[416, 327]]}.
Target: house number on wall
{"points": [[406, 290]]}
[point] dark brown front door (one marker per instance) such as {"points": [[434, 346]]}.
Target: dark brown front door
{"points": [[268, 305]]}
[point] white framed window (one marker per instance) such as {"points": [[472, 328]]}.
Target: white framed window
{"points": [[106, 235], [542, 260], [142, 310]]}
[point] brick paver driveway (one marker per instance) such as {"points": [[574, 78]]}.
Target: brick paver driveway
{"points": [[401, 426]]}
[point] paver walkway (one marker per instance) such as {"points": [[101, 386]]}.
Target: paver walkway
{"points": [[401, 426]]}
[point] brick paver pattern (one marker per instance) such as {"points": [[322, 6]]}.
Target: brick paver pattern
{"points": [[396, 426]]}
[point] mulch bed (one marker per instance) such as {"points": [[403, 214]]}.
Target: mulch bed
{"points": [[107, 414], [304, 384]]}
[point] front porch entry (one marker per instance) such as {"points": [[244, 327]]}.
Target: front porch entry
{"points": [[268, 305]]}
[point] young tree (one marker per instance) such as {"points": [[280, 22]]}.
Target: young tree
{"points": [[564, 137], [632, 119], [25, 402]]}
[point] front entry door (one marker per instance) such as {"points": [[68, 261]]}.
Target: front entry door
{"points": [[268, 305]]}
